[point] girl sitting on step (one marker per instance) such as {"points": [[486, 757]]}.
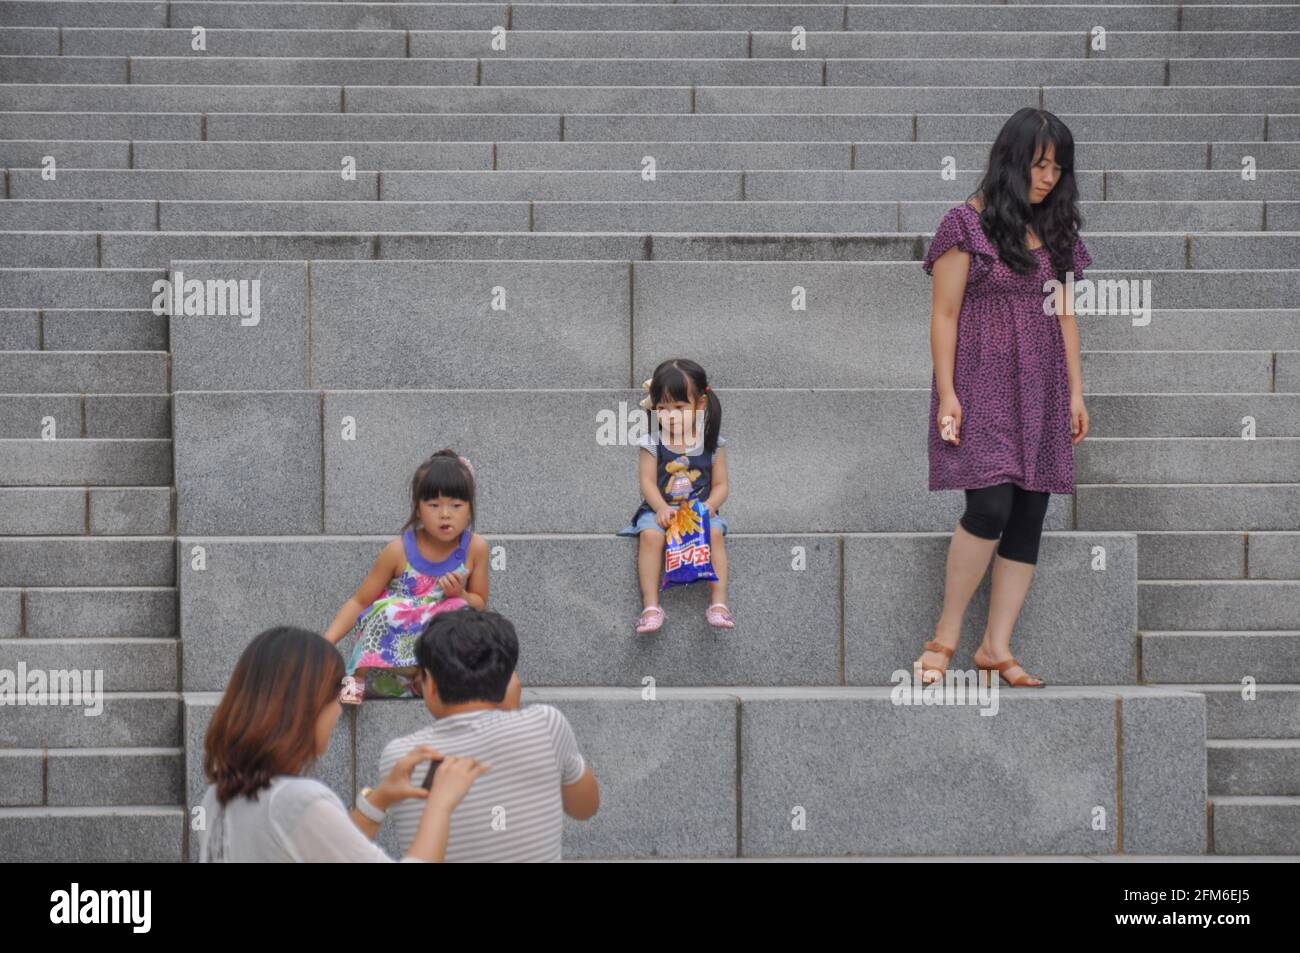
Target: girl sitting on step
{"points": [[437, 564], [680, 464]]}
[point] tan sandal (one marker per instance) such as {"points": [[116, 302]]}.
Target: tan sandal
{"points": [[1025, 680], [934, 646]]}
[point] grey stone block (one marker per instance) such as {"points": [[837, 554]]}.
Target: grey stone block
{"points": [[20, 330], [131, 511], [286, 71], [384, 216], [235, 42], [984, 71], [1274, 555], [1128, 127], [1012, 18], [82, 835], [22, 778], [29, 41], [1256, 825], [47, 249], [87, 561], [100, 330], [893, 591], [213, 186], [139, 612], [142, 719], [26, 153], [1191, 555], [862, 324], [85, 13], [20, 215], [11, 613], [1193, 415], [41, 511], [82, 462], [755, 128], [1125, 185], [244, 350], [101, 372], [312, 155], [1208, 329], [128, 415], [1187, 460], [174, 95], [650, 72], [119, 665], [248, 463], [63, 69], [1263, 711], [116, 776], [92, 125], [586, 186], [708, 216], [23, 415], [1213, 372], [1254, 766], [1218, 656], [567, 324], [503, 245], [674, 155], [241, 591], [519, 98], [76, 287], [134, 249], [844, 763], [668, 773], [535, 44], [374, 127], [1192, 507], [1164, 783], [574, 632]]}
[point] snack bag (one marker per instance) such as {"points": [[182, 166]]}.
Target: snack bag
{"points": [[686, 555]]}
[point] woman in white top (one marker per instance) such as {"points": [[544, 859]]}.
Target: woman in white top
{"points": [[273, 722]]}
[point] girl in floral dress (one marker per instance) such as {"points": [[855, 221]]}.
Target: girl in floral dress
{"points": [[438, 564]]}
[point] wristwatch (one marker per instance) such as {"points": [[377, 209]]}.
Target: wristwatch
{"points": [[367, 808]]}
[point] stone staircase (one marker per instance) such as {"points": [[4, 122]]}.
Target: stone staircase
{"points": [[380, 169]]}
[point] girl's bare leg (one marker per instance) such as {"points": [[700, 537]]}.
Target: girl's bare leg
{"points": [[968, 560]]}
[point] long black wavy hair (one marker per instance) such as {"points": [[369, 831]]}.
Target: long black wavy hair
{"points": [[1005, 190]]}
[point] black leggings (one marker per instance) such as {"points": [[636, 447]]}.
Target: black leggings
{"points": [[1009, 511]]}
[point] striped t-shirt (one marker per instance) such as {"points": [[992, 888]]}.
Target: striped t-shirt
{"points": [[513, 812]]}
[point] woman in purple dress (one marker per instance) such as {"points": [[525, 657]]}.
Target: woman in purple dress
{"points": [[1006, 402]]}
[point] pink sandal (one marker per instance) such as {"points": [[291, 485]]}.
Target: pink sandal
{"points": [[652, 623], [720, 616]]}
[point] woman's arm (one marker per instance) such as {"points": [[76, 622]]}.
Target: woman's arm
{"points": [[948, 290], [385, 568], [1079, 424]]}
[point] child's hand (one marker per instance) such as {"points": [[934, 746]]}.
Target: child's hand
{"points": [[453, 584], [666, 516]]}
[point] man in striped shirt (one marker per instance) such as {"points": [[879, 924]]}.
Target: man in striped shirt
{"points": [[514, 812]]}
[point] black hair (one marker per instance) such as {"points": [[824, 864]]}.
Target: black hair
{"points": [[680, 379], [471, 654], [1005, 189], [443, 474]]}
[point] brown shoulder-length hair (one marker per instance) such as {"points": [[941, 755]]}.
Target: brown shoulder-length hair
{"points": [[265, 724]]}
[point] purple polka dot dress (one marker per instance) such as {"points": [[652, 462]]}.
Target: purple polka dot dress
{"points": [[1010, 372]]}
